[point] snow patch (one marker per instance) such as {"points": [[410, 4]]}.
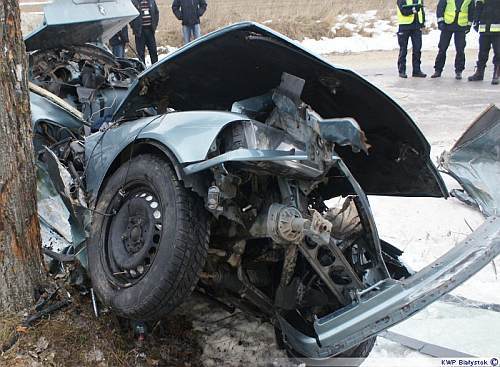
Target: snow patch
{"points": [[382, 35]]}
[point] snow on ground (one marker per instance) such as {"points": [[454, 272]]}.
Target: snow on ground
{"points": [[370, 33], [426, 228], [163, 51], [230, 339], [464, 329], [386, 349]]}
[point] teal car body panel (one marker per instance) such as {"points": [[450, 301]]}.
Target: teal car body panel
{"points": [[187, 135]]}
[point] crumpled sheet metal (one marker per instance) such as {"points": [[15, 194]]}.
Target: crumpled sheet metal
{"points": [[76, 22], [474, 161]]}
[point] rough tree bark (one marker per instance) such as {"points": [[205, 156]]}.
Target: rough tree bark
{"points": [[20, 252]]}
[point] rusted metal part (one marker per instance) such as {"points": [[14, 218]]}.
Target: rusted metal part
{"points": [[289, 263]]}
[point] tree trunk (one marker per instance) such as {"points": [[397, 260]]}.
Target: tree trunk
{"points": [[20, 251]]}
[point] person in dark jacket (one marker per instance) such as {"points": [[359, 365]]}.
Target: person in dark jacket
{"points": [[144, 28], [454, 20], [487, 23], [119, 41], [411, 19], [189, 12]]}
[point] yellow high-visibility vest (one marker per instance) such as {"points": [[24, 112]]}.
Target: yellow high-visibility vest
{"points": [[494, 28], [463, 14], [409, 19]]}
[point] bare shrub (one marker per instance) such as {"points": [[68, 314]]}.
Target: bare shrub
{"points": [[343, 32], [365, 33]]}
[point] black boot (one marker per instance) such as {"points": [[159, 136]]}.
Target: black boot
{"points": [[496, 75], [478, 75], [402, 74], [419, 74], [458, 75], [437, 74]]}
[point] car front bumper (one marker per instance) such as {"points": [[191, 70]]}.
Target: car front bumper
{"points": [[390, 301]]}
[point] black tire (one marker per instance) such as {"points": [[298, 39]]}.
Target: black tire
{"points": [[143, 262], [359, 352]]}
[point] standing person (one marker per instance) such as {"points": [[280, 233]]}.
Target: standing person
{"points": [[411, 19], [189, 12], [144, 28], [119, 41], [454, 19], [487, 22]]}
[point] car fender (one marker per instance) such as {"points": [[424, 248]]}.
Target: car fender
{"points": [[187, 135]]}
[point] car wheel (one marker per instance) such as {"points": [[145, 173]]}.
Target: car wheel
{"points": [[149, 240]]}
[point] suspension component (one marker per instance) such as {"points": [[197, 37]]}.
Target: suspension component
{"points": [[333, 268], [213, 198], [285, 224]]}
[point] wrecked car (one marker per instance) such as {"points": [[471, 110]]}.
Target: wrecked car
{"points": [[216, 171], [67, 56]]}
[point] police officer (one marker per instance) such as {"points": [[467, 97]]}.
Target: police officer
{"points": [[411, 19], [454, 19], [487, 22]]}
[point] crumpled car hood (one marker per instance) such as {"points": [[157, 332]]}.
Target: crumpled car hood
{"points": [[248, 59], [76, 22], [474, 161]]}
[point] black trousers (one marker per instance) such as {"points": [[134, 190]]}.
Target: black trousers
{"points": [[146, 38], [444, 42], [416, 41], [486, 42]]}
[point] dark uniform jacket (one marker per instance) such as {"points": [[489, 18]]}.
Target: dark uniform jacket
{"points": [[454, 27], [120, 38], [136, 24], [405, 10], [189, 11], [488, 16]]}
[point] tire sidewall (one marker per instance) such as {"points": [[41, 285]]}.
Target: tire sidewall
{"points": [[133, 301]]}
